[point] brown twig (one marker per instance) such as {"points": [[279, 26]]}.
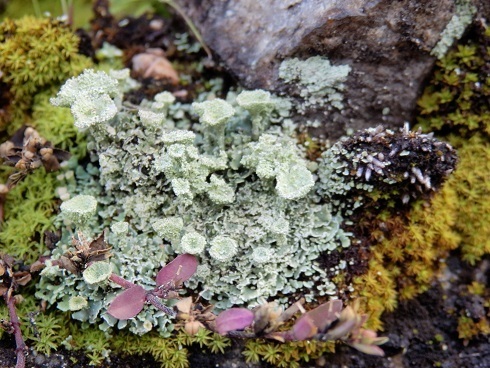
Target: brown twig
{"points": [[21, 347]]}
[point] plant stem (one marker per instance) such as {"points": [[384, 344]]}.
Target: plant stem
{"points": [[121, 281], [190, 24], [37, 9], [159, 305], [19, 341]]}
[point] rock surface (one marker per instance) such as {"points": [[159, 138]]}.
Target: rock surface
{"points": [[386, 43]]}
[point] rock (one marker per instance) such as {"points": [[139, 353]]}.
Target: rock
{"points": [[387, 45]]}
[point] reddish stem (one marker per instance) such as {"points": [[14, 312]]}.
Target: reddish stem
{"points": [[121, 281], [19, 341], [159, 305]]}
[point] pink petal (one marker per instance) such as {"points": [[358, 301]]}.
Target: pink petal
{"points": [[233, 319], [128, 304], [179, 270]]}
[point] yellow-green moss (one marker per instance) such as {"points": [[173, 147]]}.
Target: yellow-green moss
{"points": [[408, 257], [457, 96], [472, 186], [29, 211], [32, 204], [469, 329], [35, 53], [36, 56], [289, 354], [407, 254]]}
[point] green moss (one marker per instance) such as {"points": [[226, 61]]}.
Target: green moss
{"points": [[29, 212], [44, 331], [456, 98], [56, 125], [93, 341], [31, 206], [169, 352], [48, 332], [34, 55], [408, 253], [289, 354], [469, 329]]}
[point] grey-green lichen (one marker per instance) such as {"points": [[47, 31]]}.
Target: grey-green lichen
{"points": [[321, 82], [91, 102], [245, 207], [79, 209], [461, 19]]}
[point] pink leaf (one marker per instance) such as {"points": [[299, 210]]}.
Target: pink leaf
{"points": [[323, 315], [179, 270], [281, 336], [128, 304], [368, 349], [341, 329], [304, 328], [233, 319]]}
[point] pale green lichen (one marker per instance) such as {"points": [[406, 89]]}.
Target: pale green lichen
{"points": [[259, 104], [77, 303], [321, 82], [278, 158], [90, 97], [462, 18], [119, 228], [79, 209], [97, 272], [214, 115], [223, 248], [295, 182], [256, 228], [193, 243], [169, 228], [108, 51]]}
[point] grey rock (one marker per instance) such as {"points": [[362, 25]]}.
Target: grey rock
{"points": [[386, 43]]}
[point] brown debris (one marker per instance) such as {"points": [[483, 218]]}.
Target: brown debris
{"points": [[153, 64], [27, 151], [86, 253]]}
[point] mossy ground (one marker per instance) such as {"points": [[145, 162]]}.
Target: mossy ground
{"points": [[410, 249], [408, 252]]}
